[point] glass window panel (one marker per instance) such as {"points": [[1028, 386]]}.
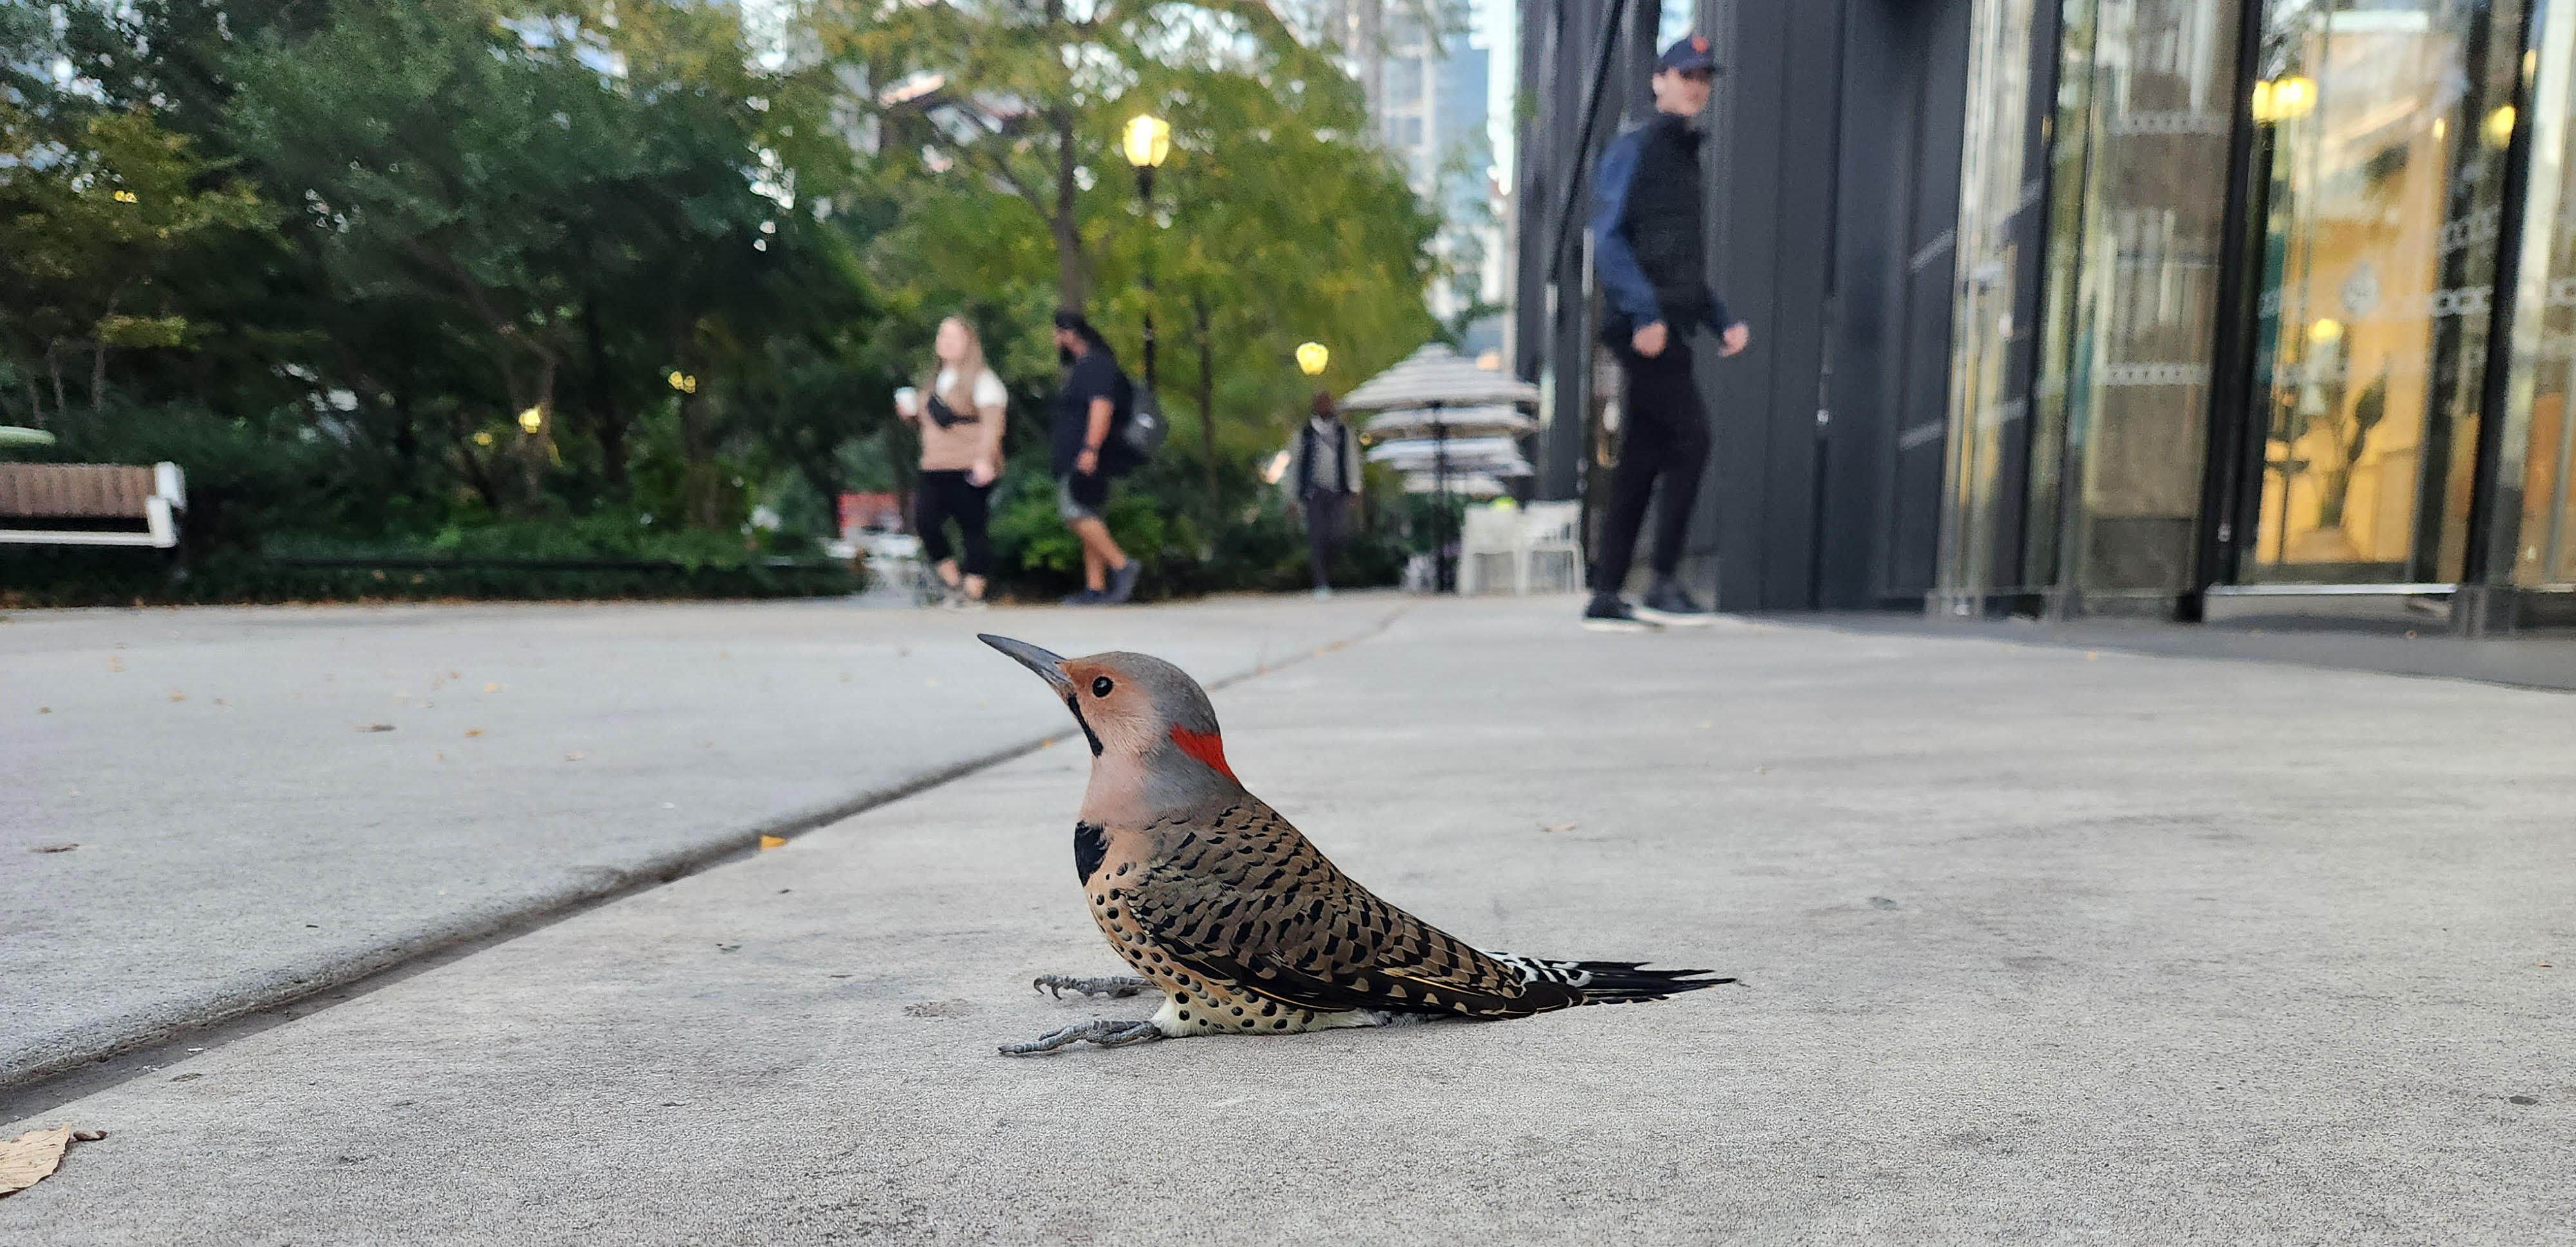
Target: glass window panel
{"points": [[2134, 278], [1994, 203], [2380, 157], [2535, 514]]}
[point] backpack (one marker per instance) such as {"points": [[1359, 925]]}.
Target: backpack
{"points": [[1136, 429]]}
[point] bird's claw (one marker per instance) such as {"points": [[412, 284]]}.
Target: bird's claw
{"points": [[1104, 1032], [1109, 985]]}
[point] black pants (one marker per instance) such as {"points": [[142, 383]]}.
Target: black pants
{"points": [[945, 496], [1663, 434], [1328, 527]]}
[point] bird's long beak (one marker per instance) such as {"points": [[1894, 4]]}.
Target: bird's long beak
{"points": [[1048, 666]]}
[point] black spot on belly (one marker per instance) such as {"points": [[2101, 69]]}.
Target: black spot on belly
{"points": [[1090, 844]]}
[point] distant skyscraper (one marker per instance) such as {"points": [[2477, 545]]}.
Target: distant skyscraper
{"points": [[1428, 95]]}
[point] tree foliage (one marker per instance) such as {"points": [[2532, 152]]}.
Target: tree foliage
{"points": [[390, 273]]}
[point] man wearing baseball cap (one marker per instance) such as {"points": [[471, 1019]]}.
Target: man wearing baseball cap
{"points": [[1652, 254]]}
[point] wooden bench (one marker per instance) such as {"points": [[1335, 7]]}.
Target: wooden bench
{"points": [[99, 502]]}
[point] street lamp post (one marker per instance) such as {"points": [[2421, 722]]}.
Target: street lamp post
{"points": [[1148, 142]]}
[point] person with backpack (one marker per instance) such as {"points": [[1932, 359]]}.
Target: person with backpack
{"points": [[1324, 477], [960, 408], [1087, 409]]}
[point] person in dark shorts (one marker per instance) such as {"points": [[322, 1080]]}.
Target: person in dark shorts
{"points": [[960, 409], [1324, 477], [1085, 409], [1649, 245]]}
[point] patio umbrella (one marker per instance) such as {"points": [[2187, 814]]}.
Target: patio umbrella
{"points": [[1456, 421], [1421, 393]]}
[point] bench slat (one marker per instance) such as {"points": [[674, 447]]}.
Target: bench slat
{"points": [[75, 491]]}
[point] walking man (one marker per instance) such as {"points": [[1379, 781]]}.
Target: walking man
{"points": [[1324, 478], [1085, 409], [1653, 257]]}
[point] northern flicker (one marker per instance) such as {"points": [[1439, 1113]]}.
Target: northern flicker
{"points": [[1220, 904]]}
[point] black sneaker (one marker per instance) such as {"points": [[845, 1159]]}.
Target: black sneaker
{"points": [[1608, 613], [1666, 604], [1122, 583], [1086, 597]]}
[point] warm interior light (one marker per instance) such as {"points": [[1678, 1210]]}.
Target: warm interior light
{"points": [[531, 420], [2326, 331], [2280, 99], [1148, 141], [1312, 357], [2498, 130]]}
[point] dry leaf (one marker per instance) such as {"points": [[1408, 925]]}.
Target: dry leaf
{"points": [[771, 842], [31, 1158], [44, 710], [473, 732], [375, 727], [491, 688], [89, 1136], [66, 848], [176, 695]]}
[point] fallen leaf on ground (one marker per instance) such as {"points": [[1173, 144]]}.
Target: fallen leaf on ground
{"points": [[176, 695], [375, 727], [491, 688], [575, 756], [771, 842], [1557, 826], [473, 731], [66, 848], [31, 1158], [89, 1136]]}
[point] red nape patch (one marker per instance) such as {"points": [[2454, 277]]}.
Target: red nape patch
{"points": [[1207, 747]]}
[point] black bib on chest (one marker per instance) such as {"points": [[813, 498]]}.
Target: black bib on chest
{"points": [[1090, 844], [1664, 215]]}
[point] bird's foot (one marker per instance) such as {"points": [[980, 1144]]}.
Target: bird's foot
{"points": [[1108, 985], [1106, 1032]]}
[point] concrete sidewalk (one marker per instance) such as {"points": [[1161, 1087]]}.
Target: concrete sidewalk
{"points": [[246, 836], [2036, 944]]}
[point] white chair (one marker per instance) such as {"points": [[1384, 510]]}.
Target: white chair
{"points": [[1489, 533], [1550, 537], [894, 561]]}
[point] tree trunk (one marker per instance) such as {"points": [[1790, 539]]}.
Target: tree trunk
{"points": [[97, 374], [54, 368], [35, 403], [698, 471], [1068, 235], [406, 435], [603, 399], [1207, 404], [537, 448]]}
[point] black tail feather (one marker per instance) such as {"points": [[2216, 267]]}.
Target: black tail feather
{"points": [[1628, 982]]}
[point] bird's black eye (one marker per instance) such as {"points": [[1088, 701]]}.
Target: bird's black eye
{"points": [[1100, 686]]}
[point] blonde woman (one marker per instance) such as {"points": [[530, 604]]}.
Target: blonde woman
{"points": [[959, 409]]}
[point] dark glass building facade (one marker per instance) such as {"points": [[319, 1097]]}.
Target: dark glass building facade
{"points": [[2149, 307]]}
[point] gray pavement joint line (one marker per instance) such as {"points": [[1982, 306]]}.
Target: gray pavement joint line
{"points": [[23, 1087]]}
